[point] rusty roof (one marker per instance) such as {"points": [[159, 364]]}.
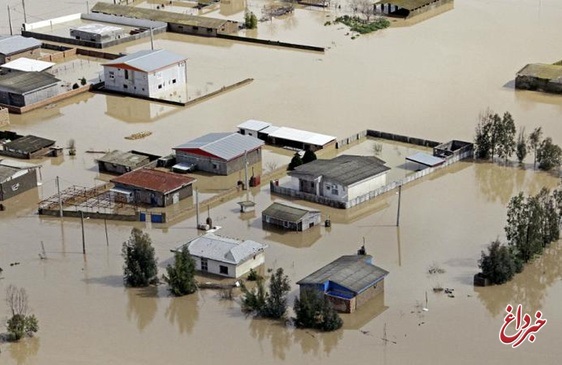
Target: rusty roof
{"points": [[155, 180]]}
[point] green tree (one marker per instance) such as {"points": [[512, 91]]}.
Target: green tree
{"points": [[181, 276], [140, 262], [253, 300], [499, 264], [20, 323], [549, 155], [250, 20], [83, 81], [295, 161], [483, 138], [505, 136], [521, 148], [314, 310], [308, 156], [535, 139], [276, 300], [269, 304]]}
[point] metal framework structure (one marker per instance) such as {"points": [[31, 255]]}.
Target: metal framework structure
{"points": [[82, 198]]}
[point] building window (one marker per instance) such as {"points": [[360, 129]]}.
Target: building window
{"points": [[195, 28], [160, 86], [111, 75], [335, 190], [223, 269], [215, 166], [312, 184], [204, 265], [126, 74], [125, 86], [173, 81]]}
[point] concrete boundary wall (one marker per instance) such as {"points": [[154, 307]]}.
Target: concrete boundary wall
{"points": [[49, 22], [467, 153], [54, 99]]}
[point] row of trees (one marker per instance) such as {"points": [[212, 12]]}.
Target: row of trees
{"points": [[141, 270], [495, 136], [312, 309], [533, 222]]}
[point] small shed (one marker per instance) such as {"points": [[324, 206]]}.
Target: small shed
{"points": [[95, 32], [27, 147], [423, 160], [224, 256], [291, 217], [12, 47], [155, 187], [296, 138], [348, 282], [15, 180], [119, 162], [251, 127]]}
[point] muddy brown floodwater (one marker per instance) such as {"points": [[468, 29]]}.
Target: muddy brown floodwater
{"points": [[428, 80]]}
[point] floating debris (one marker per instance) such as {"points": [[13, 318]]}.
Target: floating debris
{"points": [[139, 135]]}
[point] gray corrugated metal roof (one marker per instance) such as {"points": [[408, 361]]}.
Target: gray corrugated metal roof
{"points": [[254, 125], [6, 172], [425, 159], [15, 44], [226, 146], [123, 158], [287, 213], [20, 82], [148, 60], [223, 249], [345, 169], [354, 272], [29, 144]]}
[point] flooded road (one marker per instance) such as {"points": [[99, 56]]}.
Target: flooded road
{"points": [[428, 80]]}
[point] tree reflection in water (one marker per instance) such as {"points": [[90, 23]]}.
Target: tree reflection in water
{"points": [[142, 305], [184, 311], [23, 350]]}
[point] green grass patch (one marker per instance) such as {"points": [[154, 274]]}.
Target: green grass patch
{"points": [[362, 26]]}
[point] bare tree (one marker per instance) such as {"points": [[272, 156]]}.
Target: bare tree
{"points": [[16, 298], [366, 8], [271, 166]]}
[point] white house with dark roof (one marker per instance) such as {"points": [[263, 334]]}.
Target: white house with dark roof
{"points": [[225, 256], [338, 181], [148, 73], [220, 153], [12, 47]]}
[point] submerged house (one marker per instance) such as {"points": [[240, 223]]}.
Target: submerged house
{"points": [[220, 153], [153, 187], [119, 162], [541, 77], [26, 147], [291, 217], [13, 47], [348, 282], [20, 89], [225, 256], [407, 8], [148, 73], [338, 181], [15, 180]]}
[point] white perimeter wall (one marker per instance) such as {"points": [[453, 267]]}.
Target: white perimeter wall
{"points": [[49, 22]]}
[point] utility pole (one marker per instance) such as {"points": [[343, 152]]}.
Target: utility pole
{"points": [[10, 21], [398, 212], [83, 236], [60, 198], [196, 207], [87, 7], [151, 40], [24, 13], [245, 170], [106, 235]]}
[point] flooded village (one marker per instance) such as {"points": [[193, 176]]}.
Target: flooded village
{"points": [[180, 121]]}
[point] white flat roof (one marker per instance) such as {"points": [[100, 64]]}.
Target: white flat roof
{"points": [[98, 28], [254, 125], [28, 64], [302, 136]]}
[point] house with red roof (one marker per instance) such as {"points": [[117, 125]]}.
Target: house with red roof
{"points": [[153, 187]]}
